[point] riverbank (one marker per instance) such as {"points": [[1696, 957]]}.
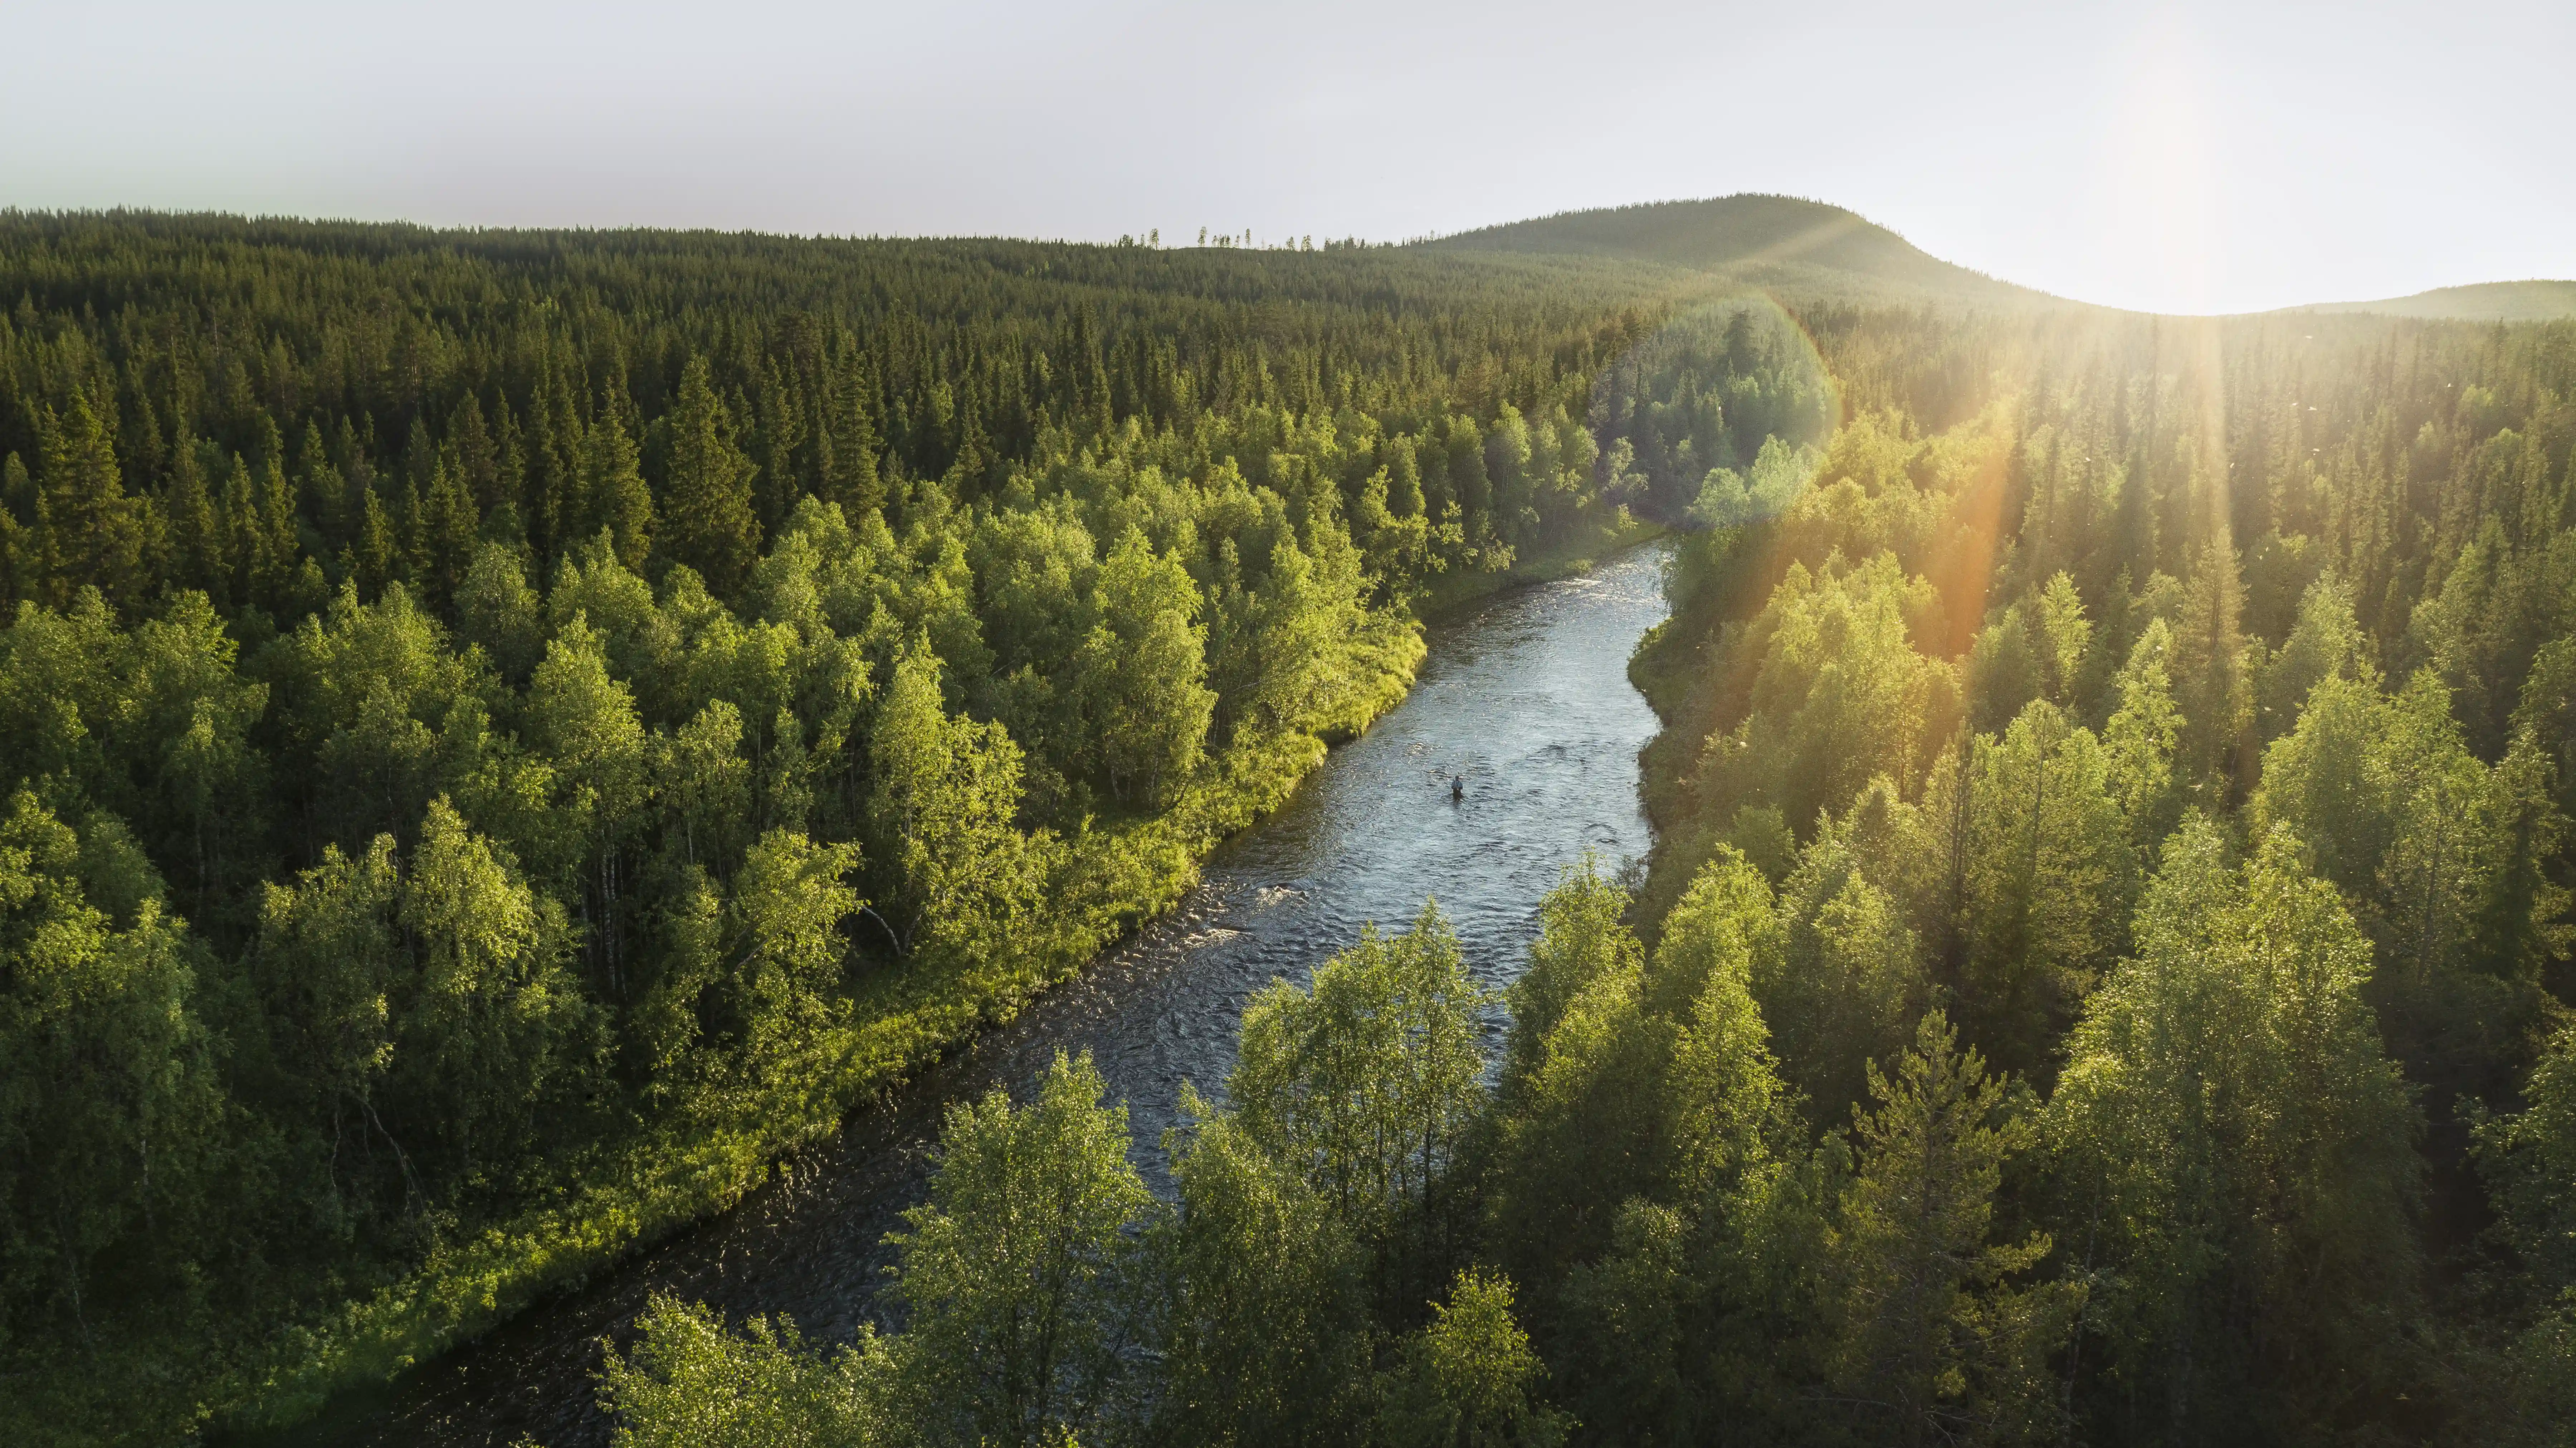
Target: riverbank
{"points": [[1454, 593], [1523, 696], [901, 1023], [1717, 578]]}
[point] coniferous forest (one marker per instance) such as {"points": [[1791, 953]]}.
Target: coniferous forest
{"points": [[505, 733]]}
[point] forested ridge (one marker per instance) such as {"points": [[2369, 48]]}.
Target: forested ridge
{"points": [[2102, 975], [501, 733]]}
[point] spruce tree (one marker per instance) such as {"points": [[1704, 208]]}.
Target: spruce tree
{"points": [[1934, 1344], [711, 528], [86, 532], [614, 492], [199, 558]]}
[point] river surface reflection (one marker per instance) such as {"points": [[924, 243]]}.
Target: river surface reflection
{"points": [[1526, 698]]}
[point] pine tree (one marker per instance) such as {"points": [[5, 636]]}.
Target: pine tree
{"points": [[613, 490], [86, 533], [449, 522], [1933, 1343], [199, 557], [711, 526], [855, 483], [2210, 681]]}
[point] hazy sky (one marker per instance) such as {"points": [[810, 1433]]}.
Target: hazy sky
{"points": [[2212, 157]]}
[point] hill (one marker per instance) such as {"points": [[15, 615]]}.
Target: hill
{"points": [[2524, 301], [1781, 242]]}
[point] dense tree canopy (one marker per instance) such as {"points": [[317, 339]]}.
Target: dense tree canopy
{"points": [[493, 717], [503, 732], [2103, 971]]}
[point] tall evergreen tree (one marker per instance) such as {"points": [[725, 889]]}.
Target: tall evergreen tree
{"points": [[86, 533], [709, 519]]}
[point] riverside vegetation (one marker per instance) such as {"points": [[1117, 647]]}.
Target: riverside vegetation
{"points": [[2102, 977], [501, 734]]}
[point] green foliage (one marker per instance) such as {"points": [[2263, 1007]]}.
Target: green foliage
{"points": [[2441, 855], [2050, 873], [1018, 1274], [946, 797], [2048, 518], [1467, 1380], [2140, 740], [604, 705], [711, 523], [1263, 1313], [1583, 1053], [1839, 694], [1846, 978], [109, 1094], [688, 1381], [601, 704], [1366, 1083], [2239, 1153], [2529, 1161], [1146, 664], [1933, 1342]]}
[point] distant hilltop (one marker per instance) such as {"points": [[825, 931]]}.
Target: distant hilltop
{"points": [[1782, 242], [2525, 301], [1790, 244]]}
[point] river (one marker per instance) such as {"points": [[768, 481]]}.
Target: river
{"points": [[1526, 698]]}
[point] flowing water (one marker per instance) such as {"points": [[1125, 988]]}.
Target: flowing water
{"points": [[1526, 699]]}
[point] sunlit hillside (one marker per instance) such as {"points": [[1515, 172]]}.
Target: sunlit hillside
{"points": [[2527, 301], [1779, 242]]}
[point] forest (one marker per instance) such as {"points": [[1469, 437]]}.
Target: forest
{"points": [[502, 734], [505, 733], [2102, 975]]}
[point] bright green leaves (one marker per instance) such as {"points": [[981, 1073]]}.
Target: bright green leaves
{"points": [[1581, 940], [1728, 499], [110, 1106], [944, 805], [1142, 671], [428, 1001], [1366, 1082], [1579, 1128], [1262, 1314], [1634, 1171], [2237, 1149], [2144, 729], [495, 1017], [688, 1382], [2440, 855], [2050, 874], [1470, 1379], [791, 906], [154, 723], [1839, 694], [1018, 1273], [1844, 981]]}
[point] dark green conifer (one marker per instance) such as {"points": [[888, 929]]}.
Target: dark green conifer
{"points": [[710, 526]]}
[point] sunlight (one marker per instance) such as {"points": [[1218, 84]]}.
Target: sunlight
{"points": [[2160, 166]]}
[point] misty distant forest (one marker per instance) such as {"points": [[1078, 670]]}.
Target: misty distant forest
{"points": [[505, 734]]}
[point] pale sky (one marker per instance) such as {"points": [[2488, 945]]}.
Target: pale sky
{"points": [[2197, 157]]}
